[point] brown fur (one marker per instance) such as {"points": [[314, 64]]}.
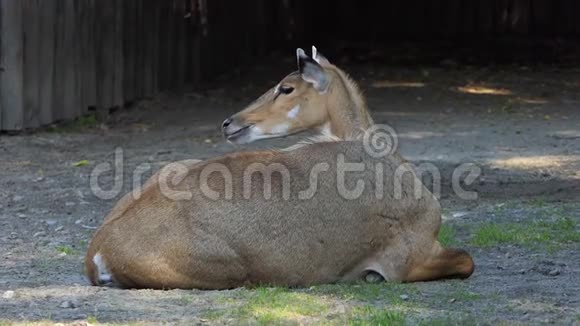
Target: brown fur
{"points": [[156, 242], [342, 109]]}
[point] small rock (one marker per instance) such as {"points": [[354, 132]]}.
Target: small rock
{"points": [[452, 300], [17, 198], [67, 305], [60, 228], [39, 234], [77, 222], [522, 271], [404, 297], [373, 278], [554, 272], [459, 214], [69, 204], [51, 222], [8, 295]]}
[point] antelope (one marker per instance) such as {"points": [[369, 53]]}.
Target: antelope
{"points": [[280, 217], [319, 96]]}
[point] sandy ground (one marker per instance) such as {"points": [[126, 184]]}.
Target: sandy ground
{"points": [[520, 124]]}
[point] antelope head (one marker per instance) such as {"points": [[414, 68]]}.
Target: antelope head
{"points": [[296, 103]]}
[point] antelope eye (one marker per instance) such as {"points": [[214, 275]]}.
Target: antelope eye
{"points": [[286, 89]]}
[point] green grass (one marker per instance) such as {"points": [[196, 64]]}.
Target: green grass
{"points": [[369, 315], [268, 306], [447, 235], [89, 121], [66, 250], [561, 231], [369, 292], [449, 321]]}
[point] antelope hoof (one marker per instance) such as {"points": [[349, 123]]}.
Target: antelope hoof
{"points": [[374, 278]]}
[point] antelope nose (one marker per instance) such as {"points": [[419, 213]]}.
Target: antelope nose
{"points": [[226, 123]]}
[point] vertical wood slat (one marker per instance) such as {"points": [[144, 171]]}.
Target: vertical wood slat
{"points": [[70, 107], [130, 37], [11, 52], [59, 62], [47, 23], [118, 97], [31, 63], [89, 56]]}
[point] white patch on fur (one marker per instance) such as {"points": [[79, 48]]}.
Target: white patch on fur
{"points": [[276, 89], [325, 130], [312, 140], [292, 114], [256, 133], [280, 129], [104, 275]]}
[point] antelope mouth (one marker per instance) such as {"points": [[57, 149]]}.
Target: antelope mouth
{"points": [[237, 134]]}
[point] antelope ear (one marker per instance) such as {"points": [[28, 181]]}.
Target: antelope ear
{"points": [[312, 72], [318, 57]]}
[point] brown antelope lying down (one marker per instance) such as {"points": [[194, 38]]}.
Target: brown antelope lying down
{"points": [[295, 217]]}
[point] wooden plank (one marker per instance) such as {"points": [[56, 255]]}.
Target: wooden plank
{"points": [[180, 59], [12, 79], [59, 62], [520, 17], [118, 97], [154, 59], [172, 48], [140, 51], [31, 63], [130, 35], [162, 45], [78, 108], [106, 55], [502, 15], [148, 46], [484, 18], [196, 37], [89, 82], [70, 65], [47, 49]]}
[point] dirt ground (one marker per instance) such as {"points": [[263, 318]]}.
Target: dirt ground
{"points": [[520, 124]]}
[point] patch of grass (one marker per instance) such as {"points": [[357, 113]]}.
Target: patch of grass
{"points": [[562, 230], [369, 292], [92, 320], [66, 250], [447, 235], [185, 300], [464, 295], [277, 305], [369, 315], [449, 321], [89, 121]]}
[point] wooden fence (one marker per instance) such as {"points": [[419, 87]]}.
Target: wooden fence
{"points": [[59, 58], [382, 21]]}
